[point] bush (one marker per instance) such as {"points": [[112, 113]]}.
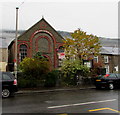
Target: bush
{"points": [[48, 80], [70, 69], [34, 67], [25, 81], [51, 78]]}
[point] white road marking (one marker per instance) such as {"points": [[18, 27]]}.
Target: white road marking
{"points": [[86, 103]]}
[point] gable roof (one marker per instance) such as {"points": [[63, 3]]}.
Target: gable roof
{"points": [[38, 23]]}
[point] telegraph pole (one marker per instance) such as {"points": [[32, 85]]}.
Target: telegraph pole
{"points": [[16, 36]]}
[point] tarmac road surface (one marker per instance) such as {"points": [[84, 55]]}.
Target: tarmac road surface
{"points": [[64, 102]]}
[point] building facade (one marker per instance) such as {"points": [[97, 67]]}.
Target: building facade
{"points": [[3, 59], [41, 37], [109, 59], [3, 54]]}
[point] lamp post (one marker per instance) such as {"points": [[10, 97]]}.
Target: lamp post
{"points": [[16, 35]]}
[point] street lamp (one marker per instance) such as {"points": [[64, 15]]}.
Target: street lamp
{"points": [[16, 35]]}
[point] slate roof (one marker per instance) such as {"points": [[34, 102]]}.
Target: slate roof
{"points": [[3, 43], [110, 50]]}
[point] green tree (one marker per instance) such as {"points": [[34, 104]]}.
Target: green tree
{"points": [[70, 68], [78, 48], [82, 46]]}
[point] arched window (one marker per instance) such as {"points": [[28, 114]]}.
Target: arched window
{"points": [[23, 52]]}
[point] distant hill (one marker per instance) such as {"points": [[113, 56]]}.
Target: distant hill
{"points": [[108, 42], [8, 35]]}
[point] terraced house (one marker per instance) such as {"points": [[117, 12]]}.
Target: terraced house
{"points": [[109, 59]]}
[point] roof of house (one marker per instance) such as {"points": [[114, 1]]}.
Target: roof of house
{"points": [[3, 43], [110, 50]]}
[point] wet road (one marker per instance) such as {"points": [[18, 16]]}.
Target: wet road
{"points": [[77, 101]]}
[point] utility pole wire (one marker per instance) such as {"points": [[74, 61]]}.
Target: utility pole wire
{"points": [[21, 4]]}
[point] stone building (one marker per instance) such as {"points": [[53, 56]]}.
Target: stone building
{"points": [[109, 58], [41, 37], [3, 55]]}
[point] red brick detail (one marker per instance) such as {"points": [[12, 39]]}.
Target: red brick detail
{"points": [[54, 42], [49, 59]]}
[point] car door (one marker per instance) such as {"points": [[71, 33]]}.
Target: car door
{"points": [[113, 79], [118, 77], [7, 80]]}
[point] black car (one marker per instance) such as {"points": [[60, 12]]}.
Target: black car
{"points": [[110, 81], [8, 84]]}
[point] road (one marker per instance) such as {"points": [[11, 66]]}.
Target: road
{"points": [[64, 102]]}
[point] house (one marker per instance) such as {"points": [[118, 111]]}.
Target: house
{"points": [[109, 58], [41, 37], [3, 54]]}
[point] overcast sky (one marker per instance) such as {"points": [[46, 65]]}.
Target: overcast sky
{"points": [[98, 17]]}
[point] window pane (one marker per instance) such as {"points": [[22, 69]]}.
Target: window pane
{"points": [[112, 75], [23, 52], [106, 59], [6, 77]]}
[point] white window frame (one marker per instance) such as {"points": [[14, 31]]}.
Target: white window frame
{"points": [[23, 53], [107, 69], [106, 59], [96, 57]]}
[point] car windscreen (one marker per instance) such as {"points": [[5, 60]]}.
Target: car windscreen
{"points": [[118, 75], [7, 76], [111, 75]]}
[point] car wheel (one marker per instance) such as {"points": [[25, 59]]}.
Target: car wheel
{"points": [[5, 93], [111, 86]]}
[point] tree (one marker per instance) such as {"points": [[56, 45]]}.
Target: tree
{"points": [[82, 46], [78, 48], [70, 69]]}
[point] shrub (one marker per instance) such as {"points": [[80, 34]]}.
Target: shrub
{"points": [[51, 78], [70, 69], [25, 81]]}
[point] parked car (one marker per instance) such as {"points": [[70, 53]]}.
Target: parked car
{"points": [[110, 81], [8, 83]]}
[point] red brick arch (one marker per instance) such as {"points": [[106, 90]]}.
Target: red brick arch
{"points": [[54, 43]]}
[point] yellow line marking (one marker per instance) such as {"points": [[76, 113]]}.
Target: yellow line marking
{"points": [[63, 114], [114, 110], [97, 109], [104, 109]]}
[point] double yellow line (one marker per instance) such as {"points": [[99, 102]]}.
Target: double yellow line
{"points": [[97, 110], [63, 114], [104, 109]]}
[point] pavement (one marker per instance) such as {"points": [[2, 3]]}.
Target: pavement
{"points": [[43, 90]]}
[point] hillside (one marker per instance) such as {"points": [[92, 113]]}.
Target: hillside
{"points": [[7, 36]]}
